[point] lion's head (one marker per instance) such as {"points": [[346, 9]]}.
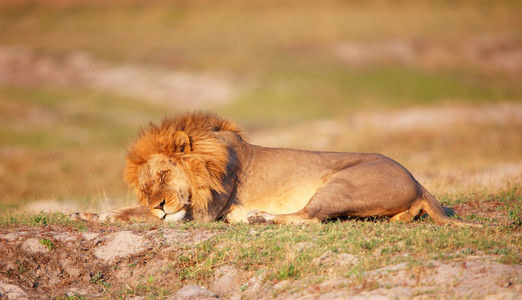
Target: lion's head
{"points": [[179, 163]]}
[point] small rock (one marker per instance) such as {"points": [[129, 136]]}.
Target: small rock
{"points": [[65, 237], [507, 283], [120, 244], [502, 296], [33, 245], [325, 260], [11, 291], [282, 285], [12, 236], [193, 292], [254, 286], [300, 247], [73, 272], [347, 259], [76, 292], [388, 269], [226, 282], [89, 235]]}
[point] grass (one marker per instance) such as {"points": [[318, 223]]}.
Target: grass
{"points": [[69, 118], [57, 142], [271, 250], [48, 243], [68, 142], [329, 90], [147, 290], [138, 31], [512, 200], [99, 278], [379, 242], [295, 257]]}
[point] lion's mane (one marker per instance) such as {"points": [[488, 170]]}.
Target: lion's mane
{"points": [[205, 146]]}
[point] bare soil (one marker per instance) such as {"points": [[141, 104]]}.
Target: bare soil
{"points": [[179, 88], [490, 53], [85, 263], [55, 261]]}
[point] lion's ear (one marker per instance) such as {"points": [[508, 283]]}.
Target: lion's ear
{"points": [[181, 142]]}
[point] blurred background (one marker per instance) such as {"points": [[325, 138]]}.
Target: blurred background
{"points": [[434, 84]]}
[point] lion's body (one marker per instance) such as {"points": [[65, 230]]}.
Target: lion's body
{"points": [[199, 166], [284, 181]]}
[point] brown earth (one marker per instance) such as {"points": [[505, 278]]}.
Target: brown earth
{"points": [[183, 89], [494, 54], [55, 261], [86, 263]]}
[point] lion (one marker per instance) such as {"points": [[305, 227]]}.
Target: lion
{"points": [[198, 166]]}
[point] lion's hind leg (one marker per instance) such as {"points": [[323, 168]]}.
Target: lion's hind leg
{"points": [[408, 216], [330, 200], [404, 216]]}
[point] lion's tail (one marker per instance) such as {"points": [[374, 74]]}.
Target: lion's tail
{"points": [[437, 213]]}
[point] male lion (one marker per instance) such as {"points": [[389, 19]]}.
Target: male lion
{"points": [[198, 166]]}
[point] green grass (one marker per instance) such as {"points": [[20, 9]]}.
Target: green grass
{"points": [[148, 289], [69, 119], [306, 255], [250, 34], [99, 278], [48, 243], [376, 244], [326, 90], [512, 200], [67, 144], [8, 219], [272, 249], [276, 49]]}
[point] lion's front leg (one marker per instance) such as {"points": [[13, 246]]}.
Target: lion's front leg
{"points": [[138, 214], [258, 217]]}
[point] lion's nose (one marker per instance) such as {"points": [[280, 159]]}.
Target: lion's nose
{"points": [[160, 206]]}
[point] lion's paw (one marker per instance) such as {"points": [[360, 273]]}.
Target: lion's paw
{"points": [[110, 217], [82, 216], [259, 217]]}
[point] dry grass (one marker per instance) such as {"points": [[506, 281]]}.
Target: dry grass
{"points": [[448, 149], [64, 138], [352, 257], [432, 84], [65, 144]]}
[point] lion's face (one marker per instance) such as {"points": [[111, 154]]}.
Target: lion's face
{"points": [[165, 187], [174, 173]]}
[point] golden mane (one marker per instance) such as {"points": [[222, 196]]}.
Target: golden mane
{"points": [[205, 146]]}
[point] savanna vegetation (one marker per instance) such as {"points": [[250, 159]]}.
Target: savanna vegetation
{"points": [[435, 85]]}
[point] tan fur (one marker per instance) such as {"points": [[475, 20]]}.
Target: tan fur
{"points": [[198, 166]]}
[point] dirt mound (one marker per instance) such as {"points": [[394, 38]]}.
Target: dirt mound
{"points": [[461, 279], [56, 261]]}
